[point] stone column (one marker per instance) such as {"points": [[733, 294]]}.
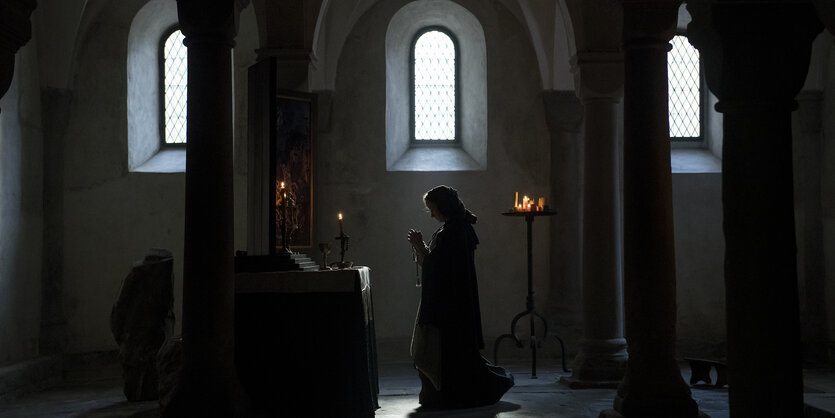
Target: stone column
{"points": [[208, 385], [826, 13], [653, 385], [756, 74], [602, 358], [807, 151], [564, 116], [15, 31], [288, 33]]}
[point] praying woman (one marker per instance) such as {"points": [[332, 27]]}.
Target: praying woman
{"points": [[447, 336]]}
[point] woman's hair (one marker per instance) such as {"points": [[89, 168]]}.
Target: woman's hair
{"points": [[446, 200]]}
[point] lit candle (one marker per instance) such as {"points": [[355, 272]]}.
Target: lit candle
{"points": [[516, 200], [340, 223], [282, 185]]}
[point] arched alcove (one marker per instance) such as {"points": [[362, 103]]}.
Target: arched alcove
{"points": [[146, 30], [409, 20]]}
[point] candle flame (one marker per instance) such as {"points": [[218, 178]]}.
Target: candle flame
{"points": [[282, 184], [340, 216]]}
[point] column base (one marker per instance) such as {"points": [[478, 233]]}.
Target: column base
{"points": [[656, 404], [611, 413], [600, 364]]}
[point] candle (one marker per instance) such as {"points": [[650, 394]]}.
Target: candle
{"points": [[282, 185], [516, 200], [542, 203], [340, 223]]}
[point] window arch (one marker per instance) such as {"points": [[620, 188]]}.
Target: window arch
{"points": [[469, 152], [434, 75], [174, 88], [684, 91], [149, 29]]}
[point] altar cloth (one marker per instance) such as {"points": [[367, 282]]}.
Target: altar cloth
{"points": [[305, 342]]}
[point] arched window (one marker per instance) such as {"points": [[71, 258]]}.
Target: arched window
{"points": [[450, 45], [434, 82], [685, 96], [174, 88]]}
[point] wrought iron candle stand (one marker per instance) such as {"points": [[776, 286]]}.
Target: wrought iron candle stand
{"points": [[529, 311], [343, 248]]}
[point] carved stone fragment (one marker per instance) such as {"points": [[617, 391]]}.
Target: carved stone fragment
{"points": [[141, 320]]}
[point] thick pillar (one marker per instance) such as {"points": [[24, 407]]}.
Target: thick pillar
{"points": [[653, 385], [756, 74], [288, 32], [208, 384], [601, 360], [564, 116]]}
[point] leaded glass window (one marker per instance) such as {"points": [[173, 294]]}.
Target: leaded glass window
{"points": [[434, 78], [685, 98], [175, 88]]}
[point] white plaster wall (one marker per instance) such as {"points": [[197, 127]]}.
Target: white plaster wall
{"points": [[380, 206], [700, 255], [21, 212], [113, 216]]}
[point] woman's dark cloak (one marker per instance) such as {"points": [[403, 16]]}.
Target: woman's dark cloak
{"points": [[449, 297], [449, 302]]}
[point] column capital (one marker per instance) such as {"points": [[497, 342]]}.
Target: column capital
{"points": [[287, 32], [214, 21], [15, 31], [826, 13], [598, 75], [649, 23], [750, 54]]}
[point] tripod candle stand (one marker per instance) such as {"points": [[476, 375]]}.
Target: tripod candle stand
{"points": [[530, 311]]}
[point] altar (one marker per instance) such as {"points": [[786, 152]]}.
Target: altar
{"points": [[305, 342]]}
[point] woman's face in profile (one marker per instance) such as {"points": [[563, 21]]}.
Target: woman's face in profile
{"points": [[434, 212]]}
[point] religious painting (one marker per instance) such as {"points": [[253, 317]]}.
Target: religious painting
{"points": [[295, 124]]}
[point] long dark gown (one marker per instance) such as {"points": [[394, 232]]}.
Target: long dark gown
{"points": [[449, 302]]}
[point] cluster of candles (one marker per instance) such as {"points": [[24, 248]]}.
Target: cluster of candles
{"points": [[528, 204]]}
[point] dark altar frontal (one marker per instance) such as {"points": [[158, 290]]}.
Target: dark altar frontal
{"points": [[305, 344]]}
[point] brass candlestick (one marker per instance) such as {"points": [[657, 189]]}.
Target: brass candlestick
{"points": [[343, 248], [285, 200]]}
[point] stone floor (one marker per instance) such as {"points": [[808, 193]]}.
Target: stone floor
{"points": [[100, 396]]}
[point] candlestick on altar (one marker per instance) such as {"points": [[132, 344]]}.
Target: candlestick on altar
{"points": [[285, 200], [343, 248]]}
